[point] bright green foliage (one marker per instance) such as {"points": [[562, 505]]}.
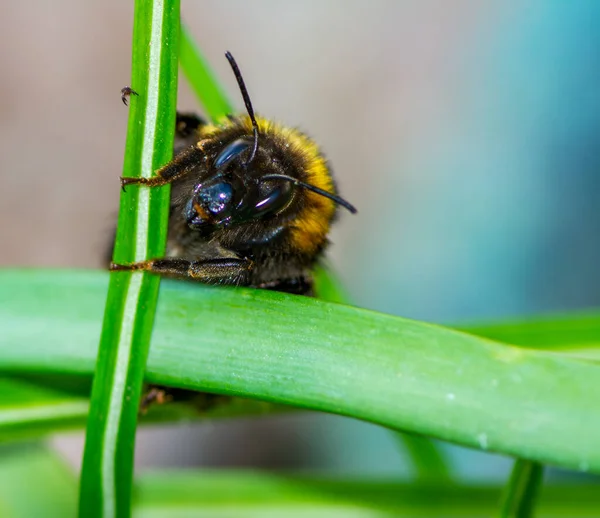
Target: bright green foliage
{"points": [[400, 373], [537, 401]]}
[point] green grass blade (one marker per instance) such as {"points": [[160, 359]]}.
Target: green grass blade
{"points": [[202, 79], [400, 373], [522, 490], [426, 458], [141, 234]]}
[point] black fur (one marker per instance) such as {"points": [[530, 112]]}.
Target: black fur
{"points": [[266, 240]]}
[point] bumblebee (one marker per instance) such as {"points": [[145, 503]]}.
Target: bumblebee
{"points": [[252, 202]]}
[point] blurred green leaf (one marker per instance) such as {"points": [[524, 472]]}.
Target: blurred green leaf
{"points": [[249, 494], [429, 463], [29, 409], [577, 333], [327, 285], [34, 482], [34, 406]]}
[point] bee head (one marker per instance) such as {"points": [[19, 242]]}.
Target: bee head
{"points": [[237, 190], [260, 170]]}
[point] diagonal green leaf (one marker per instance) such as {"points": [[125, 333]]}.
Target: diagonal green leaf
{"points": [[141, 234], [400, 373], [554, 330], [578, 333]]}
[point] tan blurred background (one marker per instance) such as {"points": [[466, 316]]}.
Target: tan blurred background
{"points": [[465, 132], [343, 71]]}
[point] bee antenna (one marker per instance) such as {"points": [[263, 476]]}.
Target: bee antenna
{"points": [[295, 181], [249, 109]]}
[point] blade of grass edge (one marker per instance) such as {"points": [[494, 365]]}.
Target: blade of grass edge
{"points": [[107, 471], [522, 490]]}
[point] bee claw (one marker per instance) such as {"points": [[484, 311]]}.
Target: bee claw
{"points": [[131, 267], [126, 181]]}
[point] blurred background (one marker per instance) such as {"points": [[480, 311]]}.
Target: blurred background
{"points": [[465, 132]]}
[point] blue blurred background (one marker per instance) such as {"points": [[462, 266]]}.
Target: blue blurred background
{"points": [[466, 133], [491, 208]]}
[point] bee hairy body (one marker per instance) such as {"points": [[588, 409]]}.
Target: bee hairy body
{"points": [[252, 202], [281, 246]]}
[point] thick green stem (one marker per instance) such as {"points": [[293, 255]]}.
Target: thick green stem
{"points": [[107, 471]]}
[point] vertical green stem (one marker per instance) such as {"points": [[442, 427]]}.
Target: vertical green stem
{"points": [[107, 471], [521, 492]]}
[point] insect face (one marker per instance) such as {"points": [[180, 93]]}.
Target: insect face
{"points": [[235, 191]]}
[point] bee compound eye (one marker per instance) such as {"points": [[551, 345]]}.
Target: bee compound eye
{"points": [[217, 197], [274, 200], [231, 151]]}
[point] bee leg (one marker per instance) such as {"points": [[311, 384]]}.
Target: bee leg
{"points": [[295, 286], [181, 165], [184, 163], [231, 271]]}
